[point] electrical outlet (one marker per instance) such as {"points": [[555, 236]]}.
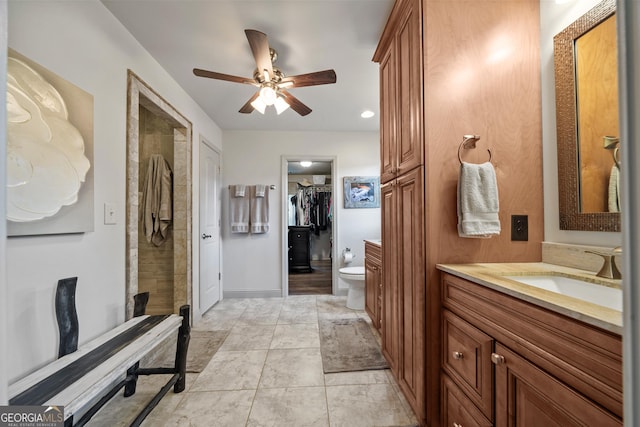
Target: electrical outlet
{"points": [[519, 228]]}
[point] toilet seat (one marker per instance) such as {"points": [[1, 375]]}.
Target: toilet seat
{"points": [[353, 273]]}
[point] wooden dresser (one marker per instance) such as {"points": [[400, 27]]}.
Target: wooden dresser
{"points": [[299, 249]]}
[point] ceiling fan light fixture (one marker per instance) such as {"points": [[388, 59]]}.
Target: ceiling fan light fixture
{"points": [[268, 95], [259, 105], [281, 105]]}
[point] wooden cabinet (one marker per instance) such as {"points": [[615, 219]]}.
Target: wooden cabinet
{"points": [[373, 282], [299, 249], [511, 363], [410, 286], [528, 396], [390, 294], [431, 94], [400, 57], [402, 174], [403, 324]]}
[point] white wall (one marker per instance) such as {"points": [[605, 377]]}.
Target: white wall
{"points": [[83, 43], [4, 306], [253, 264], [553, 19]]}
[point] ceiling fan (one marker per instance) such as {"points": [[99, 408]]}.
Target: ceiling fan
{"points": [[272, 82]]}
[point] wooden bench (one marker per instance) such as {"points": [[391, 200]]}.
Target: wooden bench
{"points": [[86, 379]]}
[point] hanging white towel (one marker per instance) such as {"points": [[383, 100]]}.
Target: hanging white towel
{"points": [[260, 190], [478, 201], [259, 210], [157, 200], [238, 211], [240, 189], [614, 189]]}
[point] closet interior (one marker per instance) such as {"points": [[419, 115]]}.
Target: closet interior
{"points": [[310, 227]]}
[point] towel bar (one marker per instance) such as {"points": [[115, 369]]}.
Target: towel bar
{"points": [[468, 142]]}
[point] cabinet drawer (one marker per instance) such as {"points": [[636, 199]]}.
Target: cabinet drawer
{"points": [[457, 409], [373, 253], [467, 359]]}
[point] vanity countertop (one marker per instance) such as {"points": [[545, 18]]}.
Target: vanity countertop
{"points": [[376, 242], [489, 275]]}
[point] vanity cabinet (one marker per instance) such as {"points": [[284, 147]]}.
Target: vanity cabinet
{"points": [[507, 362], [373, 282]]}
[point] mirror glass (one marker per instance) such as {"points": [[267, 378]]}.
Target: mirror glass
{"points": [[597, 109], [587, 121]]}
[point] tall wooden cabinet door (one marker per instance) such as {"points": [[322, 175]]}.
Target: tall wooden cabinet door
{"points": [[409, 89], [388, 156], [390, 323], [529, 397], [411, 284], [372, 288]]}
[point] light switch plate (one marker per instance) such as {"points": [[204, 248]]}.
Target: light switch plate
{"points": [[110, 214]]}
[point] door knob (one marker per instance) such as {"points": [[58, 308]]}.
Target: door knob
{"points": [[206, 236]]}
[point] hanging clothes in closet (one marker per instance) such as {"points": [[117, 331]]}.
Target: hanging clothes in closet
{"points": [[313, 207]]}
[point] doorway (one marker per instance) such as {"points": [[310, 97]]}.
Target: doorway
{"points": [[155, 128], [310, 226]]}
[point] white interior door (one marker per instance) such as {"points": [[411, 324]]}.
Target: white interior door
{"points": [[210, 280]]}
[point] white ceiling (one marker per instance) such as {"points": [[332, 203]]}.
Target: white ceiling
{"points": [[309, 35]]}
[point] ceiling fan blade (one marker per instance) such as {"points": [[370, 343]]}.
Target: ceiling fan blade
{"points": [[310, 79], [260, 48], [227, 77], [295, 104], [248, 108]]}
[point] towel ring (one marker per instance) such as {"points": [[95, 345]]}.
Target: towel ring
{"points": [[469, 141]]}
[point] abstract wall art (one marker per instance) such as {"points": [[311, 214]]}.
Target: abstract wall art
{"points": [[49, 152]]}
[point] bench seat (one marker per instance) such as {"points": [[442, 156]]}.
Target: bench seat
{"points": [[79, 379]]}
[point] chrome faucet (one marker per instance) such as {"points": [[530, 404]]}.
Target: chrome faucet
{"points": [[609, 269]]}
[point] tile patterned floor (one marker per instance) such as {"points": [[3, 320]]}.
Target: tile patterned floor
{"points": [[269, 372]]}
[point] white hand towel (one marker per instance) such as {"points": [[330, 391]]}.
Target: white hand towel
{"points": [[259, 211], [614, 189], [240, 189], [260, 189], [478, 201], [238, 211]]}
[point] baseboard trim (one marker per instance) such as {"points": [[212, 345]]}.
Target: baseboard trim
{"points": [[273, 293]]}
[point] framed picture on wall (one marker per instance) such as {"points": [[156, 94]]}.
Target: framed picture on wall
{"points": [[361, 192]]}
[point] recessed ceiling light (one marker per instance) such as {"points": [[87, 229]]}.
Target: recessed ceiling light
{"points": [[367, 114], [305, 163]]}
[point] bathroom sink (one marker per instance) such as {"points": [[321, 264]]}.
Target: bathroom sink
{"points": [[590, 292]]}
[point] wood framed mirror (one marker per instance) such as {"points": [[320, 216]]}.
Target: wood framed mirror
{"points": [[586, 112]]}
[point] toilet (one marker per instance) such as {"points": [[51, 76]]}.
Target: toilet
{"points": [[354, 276]]}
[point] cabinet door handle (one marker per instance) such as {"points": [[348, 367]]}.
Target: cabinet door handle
{"points": [[497, 359], [458, 355]]}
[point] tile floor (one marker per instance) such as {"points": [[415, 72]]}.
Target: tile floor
{"points": [[269, 372]]}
